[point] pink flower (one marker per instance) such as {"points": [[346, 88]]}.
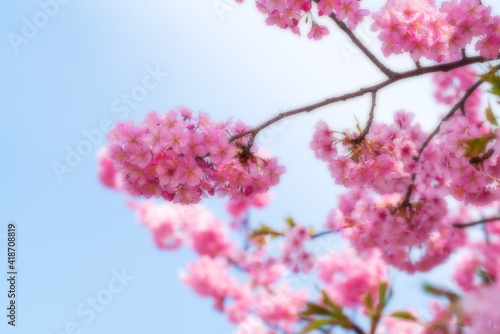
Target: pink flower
{"points": [[481, 307], [349, 277], [138, 155], [176, 139], [188, 172], [107, 172], [317, 32], [222, 152]]}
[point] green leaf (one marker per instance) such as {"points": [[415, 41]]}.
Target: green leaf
{"points": [[440, 292], [384, 294], [493, 78], [496, 90], [404, 315], [429, 288], [315, 324], [290, 222], [327, 300], [336, 311], [490, 116], [382, 291], [264, 230], [368, 301], [486, 278], [357, 125], [314, 309], [475, 146]]}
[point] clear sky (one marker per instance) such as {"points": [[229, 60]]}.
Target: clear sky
{"points": [[69, 76]]}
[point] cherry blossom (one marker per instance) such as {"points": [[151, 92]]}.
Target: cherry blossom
{"points": [[410, 193], [183, 159]]}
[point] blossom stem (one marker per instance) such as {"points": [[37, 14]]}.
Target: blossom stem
{"points": [[479, 222], [361, 46], [320, 234], [363, 134], [484, 157]]}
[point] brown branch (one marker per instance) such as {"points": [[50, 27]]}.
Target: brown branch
{"points": [[363, 134], [356, 328], [375, 88], [479, 222], [281, 234], [320, 234], [482, 158], [459, 105], [361, 46]]}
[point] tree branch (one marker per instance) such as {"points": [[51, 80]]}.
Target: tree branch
{"points": [[363, 134], [361, 46], [375, 88], [320, 234], [482, 158], [356, 328], [479, 222]]}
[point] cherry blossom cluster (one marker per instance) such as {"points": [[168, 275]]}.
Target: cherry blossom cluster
{"points": [[463, 146], [261, 268], [172, 224], [399, 326], [210, 276], [460, 161], [481, 309], [238, 208], [107, 172], [287, 14], [263, 292], [480, 264], [294, 253], [383, 160], [349, 277], [423, 29], [183, 158], [464, 142], [410, 191], [248, 284], [276, 304], [370, 222], [281, 307], [451, 86]]}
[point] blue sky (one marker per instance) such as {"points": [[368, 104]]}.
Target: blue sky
{"points": [[71, 75]]}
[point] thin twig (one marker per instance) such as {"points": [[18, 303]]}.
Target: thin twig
{"points": [[482, 158], [363, 134], [357, 329], [361, 46], [320, 234], [479, 222]]}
